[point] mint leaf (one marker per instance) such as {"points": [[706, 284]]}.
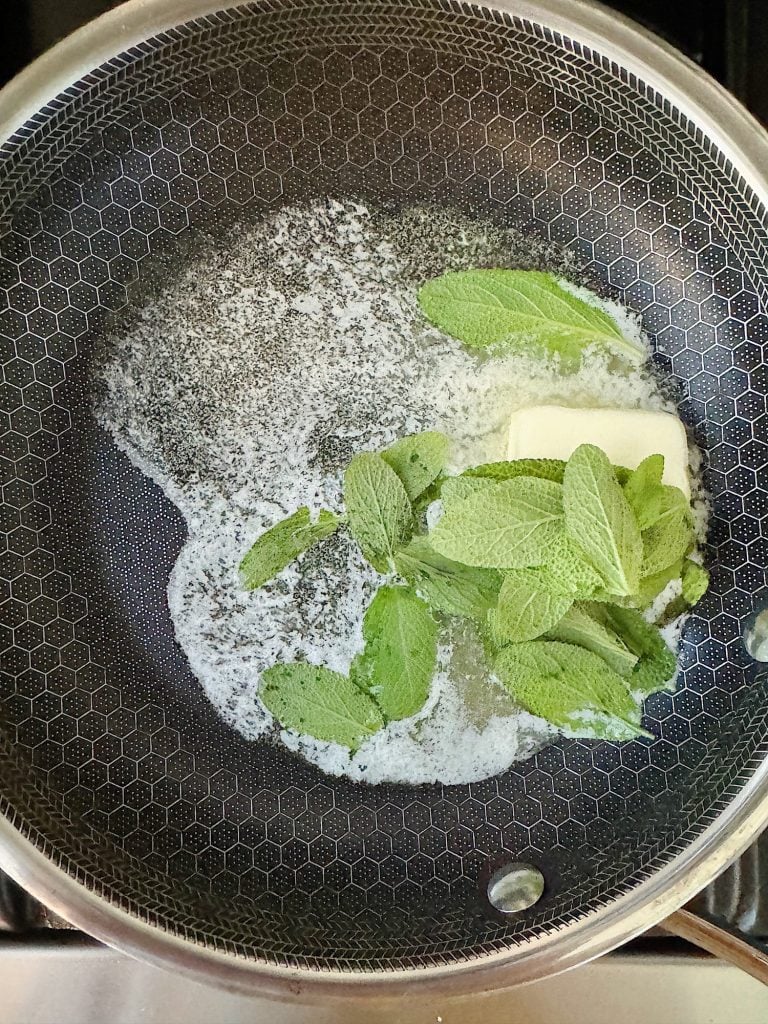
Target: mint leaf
{"points": [[445, 585], [379, 512], [316, 702], [695, 581], [657, 664], [282, 543], [526, 608], [599, 518], [571, 688], [400, 653], [520, 308], [418, 460], [579, 626], [644, 492], [547, 469], [508, 525], [670, 536]]}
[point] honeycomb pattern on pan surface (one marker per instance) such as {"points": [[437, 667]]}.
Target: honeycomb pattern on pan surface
{"points": [[109, 753]]}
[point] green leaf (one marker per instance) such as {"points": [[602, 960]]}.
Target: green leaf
{"points": [[657, 664], [400, 653], [670, 536], [282, 543], [418, 460], [652, 586], [571, 688], [445, 585], [599, 518], [569, 569], [579, 626], [695, 581], [379, 512], [316, 702], [509, 525], [520, 309], [547, 469], [457, 488], [644, 492], [526, 608], [430, 494]]}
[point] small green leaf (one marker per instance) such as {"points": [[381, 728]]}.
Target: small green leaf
{"points": [[599, 518], [418, 460], [316, 702], [652, 586], [430, 494], [546, 469], [571, 688], [569, 569], [400, 653], [445, 585], [526, 607], [579, 626], [670, 536], [657, 664], [509, 525], [379, 512], [518, 309], [282, 543], [644, 492], [695, 581], [457, 488]]}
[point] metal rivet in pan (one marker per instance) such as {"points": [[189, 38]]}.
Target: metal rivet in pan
{"points": [[515, 887], [756, 636]]}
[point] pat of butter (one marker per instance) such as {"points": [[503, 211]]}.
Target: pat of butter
{"points": [[627, 436]]}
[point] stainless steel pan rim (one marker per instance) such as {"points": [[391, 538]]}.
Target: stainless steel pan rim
{"points": [[741, 140]]}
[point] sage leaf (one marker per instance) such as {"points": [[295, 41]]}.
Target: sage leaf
{"points": [[284, 542], [644, 491], [652, 586], [378, 510], [571, 688], [525, 608], [510, 525], [315, 701], [599, 518], [546, 469], [656, 664], [569, 570], [398, 660], [671, 535], [695, 579], [579, 626], [457, 488], [520, 308], [418, 460], [448, 586]]}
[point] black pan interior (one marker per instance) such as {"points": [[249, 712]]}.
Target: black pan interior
{"points": [[111, 758]]}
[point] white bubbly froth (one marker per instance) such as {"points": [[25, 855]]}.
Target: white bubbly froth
{"points": [[244, 390]]}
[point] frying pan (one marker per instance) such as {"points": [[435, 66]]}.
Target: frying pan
{"points": [[127, 805]]}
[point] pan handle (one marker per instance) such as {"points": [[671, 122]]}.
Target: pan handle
{"points": [[720, 940]]}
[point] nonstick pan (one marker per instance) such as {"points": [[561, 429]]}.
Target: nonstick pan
{"points": [[126, 804]]}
